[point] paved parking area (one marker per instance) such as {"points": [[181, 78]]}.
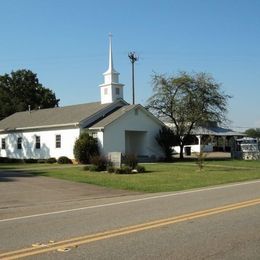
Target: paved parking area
{"points": [[23, 193]]}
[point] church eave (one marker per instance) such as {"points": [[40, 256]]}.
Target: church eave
{"points": [[17, 129]]}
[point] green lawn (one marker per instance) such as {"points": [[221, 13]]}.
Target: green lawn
{"points": [[159, 177]]}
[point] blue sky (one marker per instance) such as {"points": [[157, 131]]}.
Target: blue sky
{"points": [[66, 43]]}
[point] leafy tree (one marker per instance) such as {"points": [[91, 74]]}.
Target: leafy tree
{"points": [[22, 88], [85, 147], [255, 133], [186, 100], [166, 139]]}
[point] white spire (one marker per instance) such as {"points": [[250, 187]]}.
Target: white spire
{"points": [[110, 61], [111, 65], [111, 89]]}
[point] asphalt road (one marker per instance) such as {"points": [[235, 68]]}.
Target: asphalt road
{"points": [[220, 222]]}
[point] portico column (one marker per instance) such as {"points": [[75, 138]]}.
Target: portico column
{"points": [[199, 138], [224, 143]]}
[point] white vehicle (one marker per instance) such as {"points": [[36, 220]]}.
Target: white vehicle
{"points": [[249, 144], [250, 148]]}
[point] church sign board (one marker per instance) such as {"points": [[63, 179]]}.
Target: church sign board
{"points": [[115, 158]]}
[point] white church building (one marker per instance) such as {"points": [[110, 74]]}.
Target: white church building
{"points": [[118, 126]]}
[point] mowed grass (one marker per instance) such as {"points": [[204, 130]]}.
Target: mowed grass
{"points": [[160, 177]]}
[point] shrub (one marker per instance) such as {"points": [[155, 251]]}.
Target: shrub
{"points": [[123, 170], [94, 168], [100, 162], [4, 160], [126, 169], [51, 160], [201, 159], [111, 169], [140, 168], [86, 168], [10, 160], [30, 160], [85, 147], [166, 139], [41, 160], [64, 160], [118, 171], [14, 160], [130, 160]]}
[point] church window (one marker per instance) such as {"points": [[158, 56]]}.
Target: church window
{"points": [[3, 144], [37, 142], [19, 143], [117, 91], [58, 141], [105, 91]]}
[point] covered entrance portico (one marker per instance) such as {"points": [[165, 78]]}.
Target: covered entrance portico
{"points": [[135, 142]]}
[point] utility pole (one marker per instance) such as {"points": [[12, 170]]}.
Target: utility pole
{"points": [[133, 58]]}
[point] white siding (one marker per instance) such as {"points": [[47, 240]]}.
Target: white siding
{"points": [[48, 144], [115, 134]]}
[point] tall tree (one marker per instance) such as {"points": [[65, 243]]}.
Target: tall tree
{"points": [[255, 133], [21, 89], [166, 139], [186, 100]]}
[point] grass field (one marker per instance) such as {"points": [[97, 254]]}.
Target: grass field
{"points": [[158, 178]]}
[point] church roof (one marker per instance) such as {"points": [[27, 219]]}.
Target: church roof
{"points": [[121, 112], [217, 131], [113, 116], [57, 116], [211, 130]]}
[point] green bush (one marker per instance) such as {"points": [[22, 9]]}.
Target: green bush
{"points": [[64, 160], [130, 160], [11, 160], [118, 171], [4, 160], [140, 169], [30, 160], [201, 159], [100, 162], [41, 160], [123, 170], [167, 139], [86, 168], [85, 147], [14, 160], [51, 160], [111, 169], [94, 168]]}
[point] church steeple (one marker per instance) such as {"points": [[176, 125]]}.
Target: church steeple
{"points": [[111, 89], [110, 63]]}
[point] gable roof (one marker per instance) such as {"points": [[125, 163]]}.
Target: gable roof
{"points": [[121, 112], [112, 117], [57, 116], [91, 115], [210, 130], [217, 131]]}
